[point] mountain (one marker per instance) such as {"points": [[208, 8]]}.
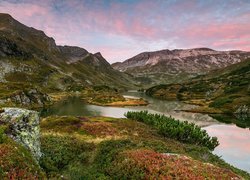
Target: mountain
{"points": [[29, 57], [168, 66]]}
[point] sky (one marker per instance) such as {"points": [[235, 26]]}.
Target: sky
{"points": [[120, 29]]}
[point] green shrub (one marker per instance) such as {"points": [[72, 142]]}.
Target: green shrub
{"points": [[2, 134], [181, 131], [104, 88], [220, 102], [59, 152], [230, 89], [108, 150], [152, 90]]}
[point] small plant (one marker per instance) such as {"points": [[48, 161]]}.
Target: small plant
{"points": [[59, 152], [2, 134], [220, 102], [169, 127]]}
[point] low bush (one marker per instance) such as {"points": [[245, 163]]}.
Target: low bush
{"points": [[171, 128], [59, 152], [2, 134], [16, 162], [220, 102]]}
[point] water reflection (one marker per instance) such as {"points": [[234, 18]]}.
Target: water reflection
{"points": [[234, 144], [172, 108], [73, 106], [242, 121]]}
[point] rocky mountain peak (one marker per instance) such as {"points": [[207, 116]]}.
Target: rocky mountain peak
{"points": [[6, 17], [73, 54], [98, 54]]}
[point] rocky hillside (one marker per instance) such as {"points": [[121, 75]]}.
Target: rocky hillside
{"points": [[28, 56], [221, 91], [168, 66]]}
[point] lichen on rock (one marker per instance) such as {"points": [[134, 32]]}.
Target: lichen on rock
{"points": [[23, 128]]}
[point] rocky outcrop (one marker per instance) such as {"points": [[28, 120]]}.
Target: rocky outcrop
{"points": [[30, 97], [23, 128], [242, 112]]}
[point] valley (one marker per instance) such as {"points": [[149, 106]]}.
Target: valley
{"points": [[66, 113]]}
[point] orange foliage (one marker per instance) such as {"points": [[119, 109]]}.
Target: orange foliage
{"points": [[14, 164], [169, 166], [99, 128]]}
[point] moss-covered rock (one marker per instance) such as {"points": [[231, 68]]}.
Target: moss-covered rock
{"points": [[23, 127]]}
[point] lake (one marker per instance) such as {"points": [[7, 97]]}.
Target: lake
{"points": [[234, 141]]}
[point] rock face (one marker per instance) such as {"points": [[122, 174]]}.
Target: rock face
{"points": [[23, 128], [30, 97]]}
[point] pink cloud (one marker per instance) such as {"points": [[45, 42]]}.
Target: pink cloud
{"points": [[184, 24]]}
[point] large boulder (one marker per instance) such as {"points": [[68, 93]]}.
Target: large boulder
{"points": [[23, 128]]}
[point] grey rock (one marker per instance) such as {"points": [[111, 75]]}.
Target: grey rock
{"points": [[23, 128], [243, 109], [33, 96]]}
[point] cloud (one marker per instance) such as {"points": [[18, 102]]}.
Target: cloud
{"points": [[94, 24]]}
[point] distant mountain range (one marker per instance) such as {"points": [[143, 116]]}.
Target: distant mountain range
{"points": [[29, 56], [168, 66]]}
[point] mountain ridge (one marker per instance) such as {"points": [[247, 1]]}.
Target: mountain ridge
{"points": [[183, 63], [30, 53]]}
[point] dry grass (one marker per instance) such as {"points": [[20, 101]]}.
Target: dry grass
{"points": [[128, 102]]}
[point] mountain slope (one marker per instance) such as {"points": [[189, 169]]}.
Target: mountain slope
{"points": [[221, 91], [30, 57], [168, 66]]}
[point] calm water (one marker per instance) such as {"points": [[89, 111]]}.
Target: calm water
{"points": [[234, 141]]}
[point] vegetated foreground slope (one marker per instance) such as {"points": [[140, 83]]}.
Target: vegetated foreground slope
{"points": [[225, 91], [169, 66], [28, 56], [109, 148]]}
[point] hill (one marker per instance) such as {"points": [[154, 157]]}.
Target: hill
{"points": [[221, 91]]}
